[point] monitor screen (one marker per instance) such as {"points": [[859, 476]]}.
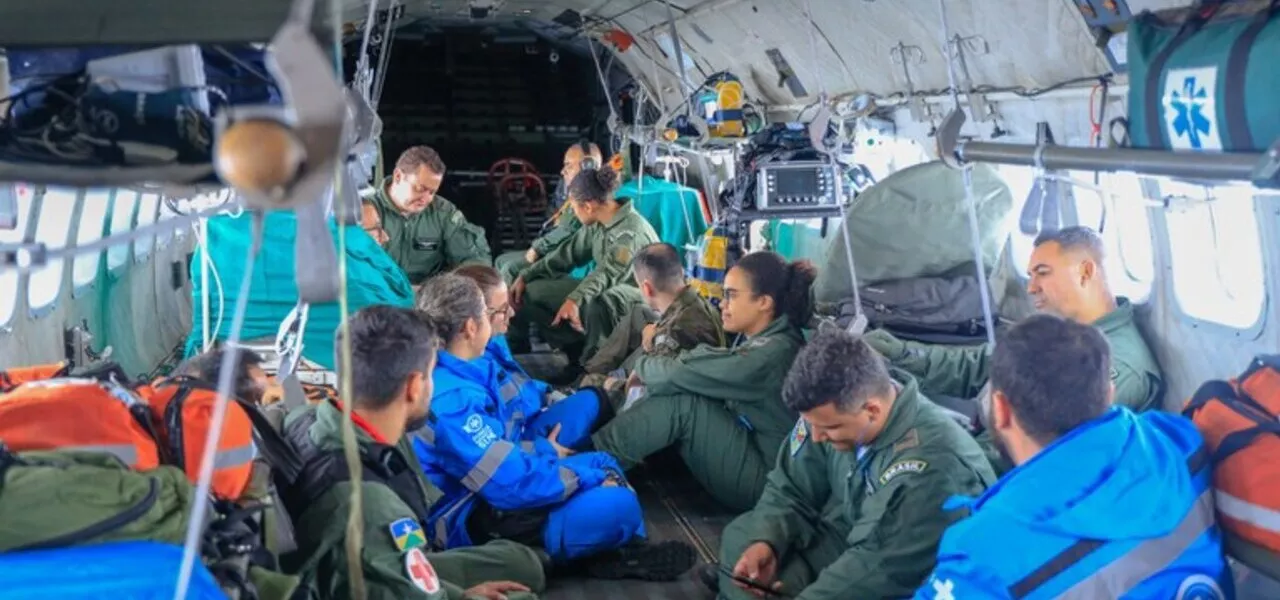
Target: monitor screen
{"points": [[797, 182]]}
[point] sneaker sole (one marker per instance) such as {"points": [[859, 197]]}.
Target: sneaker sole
{"points": [[665, 561]]}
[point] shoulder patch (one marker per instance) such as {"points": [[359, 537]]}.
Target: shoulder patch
{"points": [[902, 467], [622, 255], [420, 571], [456, 216], [799, 436], [473, 424], [407, 534], [908, 441]]}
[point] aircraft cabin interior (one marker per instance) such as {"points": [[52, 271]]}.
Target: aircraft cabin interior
{"points": [[200, 196]]}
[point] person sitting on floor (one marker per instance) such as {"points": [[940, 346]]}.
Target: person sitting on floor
{"points": [[545, 409], [674, 318], [500, 480], [722, 407]]}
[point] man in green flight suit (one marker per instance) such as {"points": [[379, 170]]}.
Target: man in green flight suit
{"points": [[580, 156], [425, 233], [1067, 279], [392, 355], [574, 315], [853, 508], [674, 318]]}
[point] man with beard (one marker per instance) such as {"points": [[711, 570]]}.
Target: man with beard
{"points": [[1065, 278], [425, 234], [393, 352], [853, 508], [1103, 503]]}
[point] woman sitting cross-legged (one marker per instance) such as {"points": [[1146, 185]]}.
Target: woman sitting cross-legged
{"points": [[499, 478]]}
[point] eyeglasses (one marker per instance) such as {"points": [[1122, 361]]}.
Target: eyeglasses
{"points": [[501, 312]]}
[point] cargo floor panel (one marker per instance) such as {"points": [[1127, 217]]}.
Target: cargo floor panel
{"points": [[675, 508]]}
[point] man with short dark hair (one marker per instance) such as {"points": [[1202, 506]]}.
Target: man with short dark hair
{"points": [[1113, 505], [853, 508], [674, 317], [425, 233], [393, 352], [249, 381], [1065, 278]]}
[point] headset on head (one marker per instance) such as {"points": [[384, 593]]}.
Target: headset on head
{"points": [[588, 148]]}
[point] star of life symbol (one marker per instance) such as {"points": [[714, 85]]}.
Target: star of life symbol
{"points": [[1190, 117], [942, 589]]}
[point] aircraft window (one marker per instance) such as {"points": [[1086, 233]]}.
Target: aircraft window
{"points": [[148, 210], [121, 221], [1120, 216], [8, 277], [93, 219], [1216, 253], [669, 49], [53, 228]]}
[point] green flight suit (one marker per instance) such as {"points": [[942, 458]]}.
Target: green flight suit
{"points": [[721, 407], [321, 536], [962, 371], [861, 524], [603, 297], [432, 241], [511, 264]]}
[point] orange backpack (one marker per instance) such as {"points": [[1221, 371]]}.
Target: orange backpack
{"points": [[12, 378], [1238, 419], [66, 413], [183, 408]]}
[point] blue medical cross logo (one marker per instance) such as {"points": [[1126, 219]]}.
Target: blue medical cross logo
{"points": [[1189, 105]]}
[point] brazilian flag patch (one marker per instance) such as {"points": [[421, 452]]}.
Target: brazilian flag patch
{"points": [[408, 534]]}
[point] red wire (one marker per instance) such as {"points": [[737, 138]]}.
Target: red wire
{"points": [[1094, 123]]}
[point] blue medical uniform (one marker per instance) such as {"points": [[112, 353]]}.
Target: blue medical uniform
{"points": [[576, 413], [1120, 507], [476, 449]]}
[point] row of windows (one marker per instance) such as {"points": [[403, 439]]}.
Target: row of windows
{"points": [[102, 213], [1217, 263]]}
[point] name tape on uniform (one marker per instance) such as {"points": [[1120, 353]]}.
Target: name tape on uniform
{"points": [[900, 468]]}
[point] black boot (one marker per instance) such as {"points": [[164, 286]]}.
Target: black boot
{"points": [[664, 561]]}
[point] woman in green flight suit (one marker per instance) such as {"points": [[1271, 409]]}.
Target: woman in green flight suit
{"points": [[575, 315], [722, 407]]}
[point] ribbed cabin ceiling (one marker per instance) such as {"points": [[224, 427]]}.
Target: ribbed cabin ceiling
{"points": [[1032, 44]]}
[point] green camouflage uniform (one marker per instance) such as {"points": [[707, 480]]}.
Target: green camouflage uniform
{"points": [[863, 524], [431, 242], [721, 407], [687, 323]]}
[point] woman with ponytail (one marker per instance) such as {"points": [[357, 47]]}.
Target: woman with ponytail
{"points": [[574, 315], [722, 407]]}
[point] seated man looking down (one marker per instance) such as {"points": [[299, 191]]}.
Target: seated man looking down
{"points": [[853, 508], [392, 354], [575, 417], [1065, 278], [425, 234], [722, 407], [1104, 503], [564, 223], [574, 315], [499, 481], [687, 320]]}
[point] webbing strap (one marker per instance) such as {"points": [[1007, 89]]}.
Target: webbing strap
{"points": [[1249, 512], [1132, 568], [1236, 110]]}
